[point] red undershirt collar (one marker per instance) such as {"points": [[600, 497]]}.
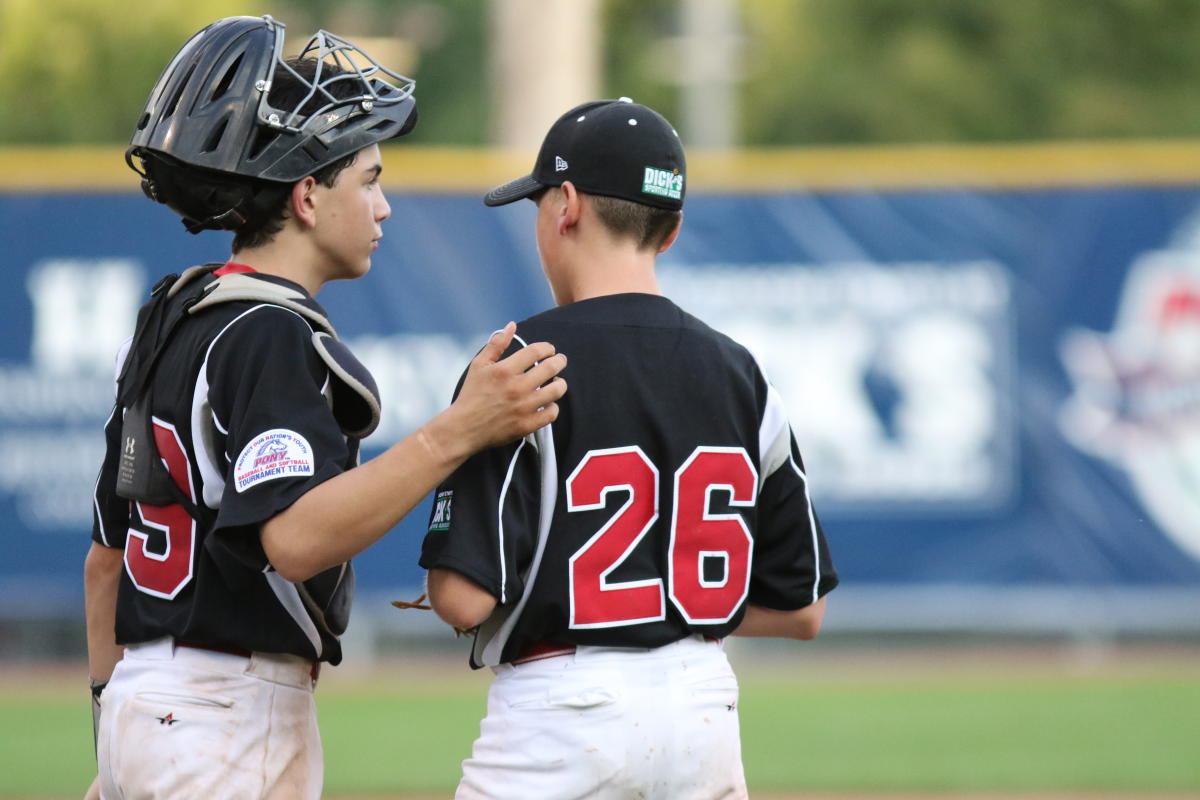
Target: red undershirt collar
{"points": [[232, 266]]}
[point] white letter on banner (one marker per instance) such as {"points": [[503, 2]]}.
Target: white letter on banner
{"points": [[82, 311]]}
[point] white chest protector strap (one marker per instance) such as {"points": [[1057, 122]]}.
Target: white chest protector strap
{"points": [[240, 286]]}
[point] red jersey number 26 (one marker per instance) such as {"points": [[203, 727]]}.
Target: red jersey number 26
{"points": [[708, 569]]}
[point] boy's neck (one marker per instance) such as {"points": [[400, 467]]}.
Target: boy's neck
{"points": [[283, 258], [593, 264], [602, 274]]}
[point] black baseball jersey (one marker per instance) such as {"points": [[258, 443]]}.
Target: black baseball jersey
{"points": [[242, 420], [667, 495]]}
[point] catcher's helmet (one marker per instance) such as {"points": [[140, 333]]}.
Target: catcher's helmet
{"points": [[213, 108]]}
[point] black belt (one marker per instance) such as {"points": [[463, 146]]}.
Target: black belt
{"points": [[536, 651], [216, 648]]}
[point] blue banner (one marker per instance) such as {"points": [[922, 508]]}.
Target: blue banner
{"points": [[990, 388]]}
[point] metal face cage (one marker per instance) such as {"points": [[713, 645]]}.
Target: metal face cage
{"points": [[377, 85]]}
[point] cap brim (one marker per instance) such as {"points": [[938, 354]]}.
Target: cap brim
{"points": [[513, 191]]}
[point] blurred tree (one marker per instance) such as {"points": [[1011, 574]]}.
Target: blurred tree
{"points": [[640, 55], [80, 70], [75, 71], [858, 71], [838, 71], [812, 71], [446, 43]]}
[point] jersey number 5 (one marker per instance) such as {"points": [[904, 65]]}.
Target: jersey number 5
{"points": [[708, 571], [164, 575]]}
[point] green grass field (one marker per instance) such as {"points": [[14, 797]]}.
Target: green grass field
{"points": [[871, 724]]}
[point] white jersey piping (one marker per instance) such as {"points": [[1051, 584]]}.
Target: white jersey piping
{"points": [[812, 527], [289, 598]]}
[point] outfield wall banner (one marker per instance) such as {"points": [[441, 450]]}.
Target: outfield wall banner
{"points": [[990, 388]]}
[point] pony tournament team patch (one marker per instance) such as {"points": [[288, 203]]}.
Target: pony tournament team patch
{"points": [[278, 453]]}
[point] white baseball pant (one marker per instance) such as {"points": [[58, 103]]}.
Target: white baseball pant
{"points": [[179, 722], [606, 722]]}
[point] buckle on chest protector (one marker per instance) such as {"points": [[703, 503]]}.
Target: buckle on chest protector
{"points": [[141, 475]]}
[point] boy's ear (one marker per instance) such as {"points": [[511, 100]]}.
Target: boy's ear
{"points": [[675, 234], [571, 209], [302, 203], [670, 240]]}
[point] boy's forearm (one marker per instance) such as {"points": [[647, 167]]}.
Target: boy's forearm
{"points": [[802, 623], [101, 579], [338, 519], [500, 401]]}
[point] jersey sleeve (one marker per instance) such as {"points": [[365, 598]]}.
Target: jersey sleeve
{"points": [[792, 567], [484, 519], [110, 513], [265, 388]]}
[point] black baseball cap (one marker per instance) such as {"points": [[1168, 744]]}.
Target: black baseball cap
{"points": [[615, 148]]}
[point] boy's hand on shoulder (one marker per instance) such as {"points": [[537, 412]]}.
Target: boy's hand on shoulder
{"points": [[504, 399]]}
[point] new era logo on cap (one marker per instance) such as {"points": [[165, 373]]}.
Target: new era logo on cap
{"points": [[559, 164]]}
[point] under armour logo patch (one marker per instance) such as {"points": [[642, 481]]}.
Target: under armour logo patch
{"points": [[168, 720], [560, 164], [129, 445]]}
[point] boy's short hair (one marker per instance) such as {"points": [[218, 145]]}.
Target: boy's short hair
{"points": [[647, 225], [256, 233]]}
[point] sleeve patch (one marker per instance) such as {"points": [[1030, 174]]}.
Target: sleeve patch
{"points": [[440, 520], [277, 453]]}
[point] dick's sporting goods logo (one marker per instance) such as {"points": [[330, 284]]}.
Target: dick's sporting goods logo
{"points": [[440, 520], [662, 182]]}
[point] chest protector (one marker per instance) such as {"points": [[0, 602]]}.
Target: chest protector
{"points": [[141, 474]]}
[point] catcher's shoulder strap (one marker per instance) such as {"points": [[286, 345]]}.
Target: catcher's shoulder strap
{"points": [[243, 287], [141, 475]]}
